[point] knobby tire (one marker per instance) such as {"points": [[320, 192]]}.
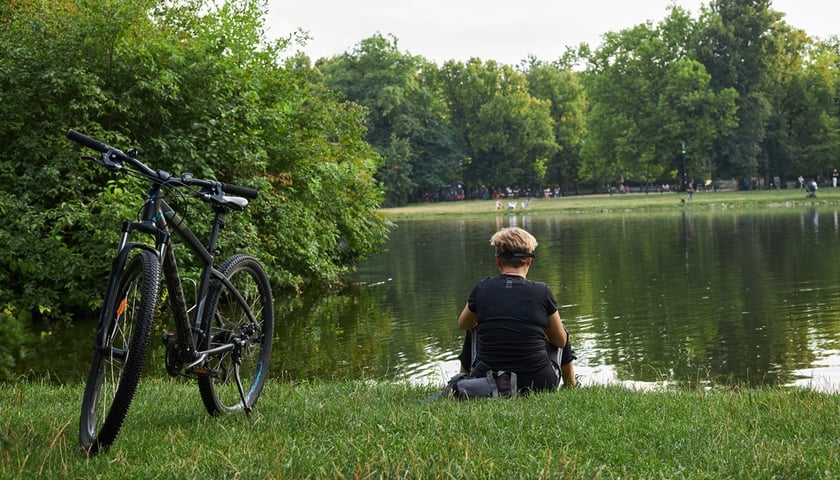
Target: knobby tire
{"points": [[225, 318], [116, 369]]}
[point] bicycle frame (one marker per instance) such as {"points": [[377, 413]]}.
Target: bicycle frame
{"points": [[216, 338], [157, 219]]}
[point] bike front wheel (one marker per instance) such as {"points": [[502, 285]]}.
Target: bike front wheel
{"points": [[117, 365], [246, 317]]}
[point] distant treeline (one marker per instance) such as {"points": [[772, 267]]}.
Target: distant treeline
{"points": [[736, 93]]}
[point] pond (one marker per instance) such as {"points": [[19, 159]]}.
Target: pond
{"points": [[689, 297]]}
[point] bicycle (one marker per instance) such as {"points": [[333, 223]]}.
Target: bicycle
{"points": [[225, 346]]}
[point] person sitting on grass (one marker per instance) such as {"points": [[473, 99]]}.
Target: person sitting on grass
{"points": [[513, 324]]}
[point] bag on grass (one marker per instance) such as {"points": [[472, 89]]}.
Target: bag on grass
{"points": [[492, 385]]}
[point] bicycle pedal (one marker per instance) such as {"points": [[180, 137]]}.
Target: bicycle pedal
{"points": [[167, 336], [202, 372]]}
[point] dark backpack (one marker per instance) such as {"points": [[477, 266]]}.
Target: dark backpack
{"points": [[491, 385]]}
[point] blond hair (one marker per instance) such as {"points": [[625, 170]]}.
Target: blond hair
{"points": [[513, 245]]}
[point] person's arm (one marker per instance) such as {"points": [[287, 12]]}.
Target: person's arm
{"points": [[468, 319], [555, 331]]}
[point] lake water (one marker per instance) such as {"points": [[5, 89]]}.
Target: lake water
{"points": [[704, 298]]}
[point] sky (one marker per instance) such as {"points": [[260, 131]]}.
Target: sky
{"points": [[505, 31]]}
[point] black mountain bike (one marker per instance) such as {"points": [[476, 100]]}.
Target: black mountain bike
{"points": [[223, 340]]}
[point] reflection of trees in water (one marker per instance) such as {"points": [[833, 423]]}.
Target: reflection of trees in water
{"points": [[698, 296], [357, 333], [706, 296], [331, 336]]}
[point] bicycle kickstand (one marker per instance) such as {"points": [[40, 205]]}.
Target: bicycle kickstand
{"points": [[237, 360]]}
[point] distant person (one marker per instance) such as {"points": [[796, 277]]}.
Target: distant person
{"points": [[513, 323], [834, 176], [801, 181], [811, 188]]}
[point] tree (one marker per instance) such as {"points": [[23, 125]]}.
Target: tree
{"points": [[506, 132], [197, 88], [563, 88], [735, 42], [816, 119], [803, 129], [512, 141], [648, 99], [407, 120]]}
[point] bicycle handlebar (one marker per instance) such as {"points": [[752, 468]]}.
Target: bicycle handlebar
{"points": [[246, 192], [95, 144], [87, 141]]}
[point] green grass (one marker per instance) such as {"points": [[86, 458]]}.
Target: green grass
{"points": [[633, 202], [370, 430]]}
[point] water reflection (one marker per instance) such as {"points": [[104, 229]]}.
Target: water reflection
{"points": [[701, 298], [705, 298]]}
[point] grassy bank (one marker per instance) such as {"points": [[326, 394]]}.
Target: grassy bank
{"points": [[633, 202], [365, 430]]}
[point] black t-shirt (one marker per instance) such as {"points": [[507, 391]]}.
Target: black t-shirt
{"points": [[512, 318]]}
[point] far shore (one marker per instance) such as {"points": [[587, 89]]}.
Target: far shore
{"points": [[619, 203]]}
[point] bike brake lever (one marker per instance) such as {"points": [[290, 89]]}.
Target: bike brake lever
{"points": [[107, 161], [102, 161]]}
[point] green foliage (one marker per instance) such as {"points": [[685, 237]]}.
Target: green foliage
{"points": [[564, 91], [806, 123], [736, 42], [16, 339], [406, 117], [511, 139], [648, 99], [196, 87], [508, 134], [739, 90], [646, 91]]}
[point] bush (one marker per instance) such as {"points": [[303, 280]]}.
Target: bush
{"points": [[195, 88]]}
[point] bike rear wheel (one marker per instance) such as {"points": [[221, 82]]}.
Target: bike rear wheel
{"points": [[226, 319], [116, 368]]}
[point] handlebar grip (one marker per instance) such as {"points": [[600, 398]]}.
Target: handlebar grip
{"points": [[241, 191], [87, 141]]}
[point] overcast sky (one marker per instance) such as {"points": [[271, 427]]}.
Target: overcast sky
{"points": [[505, 31]]}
